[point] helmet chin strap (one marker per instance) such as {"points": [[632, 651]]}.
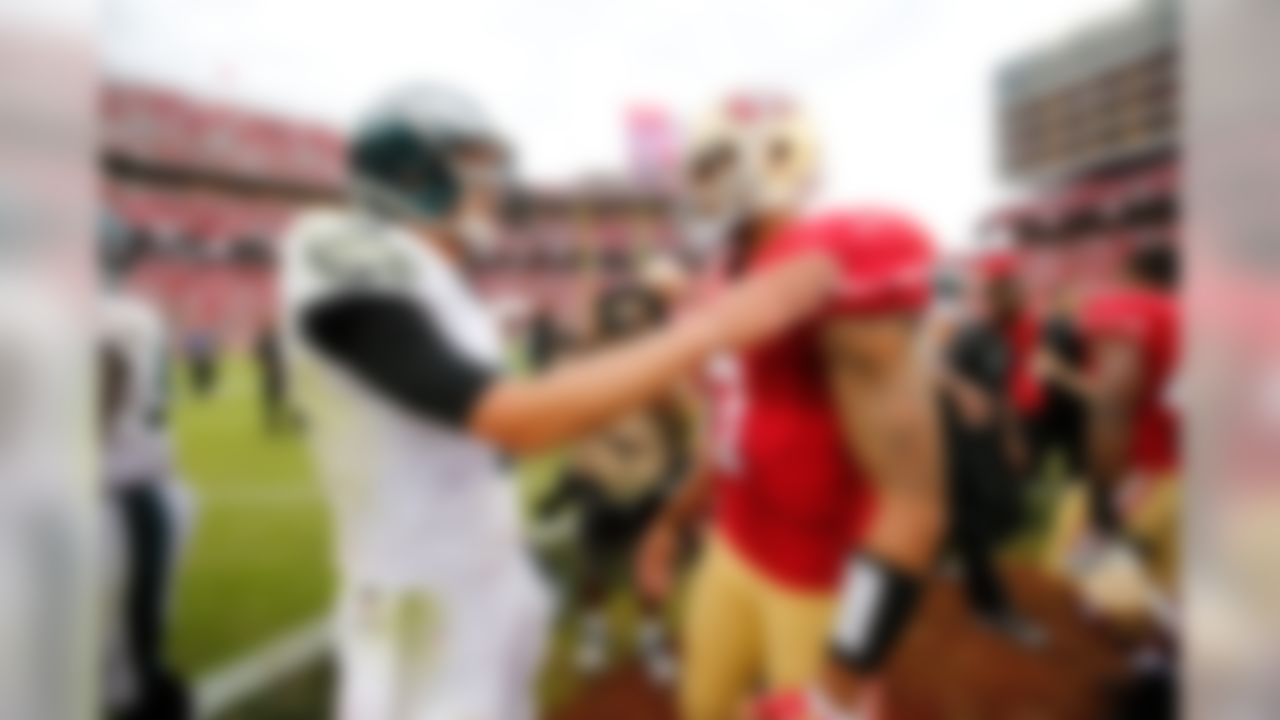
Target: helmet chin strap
{"points": [[732, 236], [712, 233]]}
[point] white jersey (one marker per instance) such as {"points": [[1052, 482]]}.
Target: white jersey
{"points": [[415, 501], [137, 444]]}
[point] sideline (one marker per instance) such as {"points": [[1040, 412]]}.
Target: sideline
{"points": [[219, 690]]}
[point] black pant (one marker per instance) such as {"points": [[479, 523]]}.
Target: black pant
{"points": [[984, 509], [983, 586], [150, 540], [1061, 431]]}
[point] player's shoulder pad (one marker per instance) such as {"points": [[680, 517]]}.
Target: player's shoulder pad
{"points": [[886, 257], [346, 250]]}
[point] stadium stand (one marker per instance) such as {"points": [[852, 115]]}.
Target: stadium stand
{"points": [[1087, 134], [208, 188]]}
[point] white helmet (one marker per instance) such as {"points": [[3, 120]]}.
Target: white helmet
{"points": [[753, 154], [407, 159]]}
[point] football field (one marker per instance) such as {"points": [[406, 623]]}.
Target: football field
{"points": [[257, 563]]}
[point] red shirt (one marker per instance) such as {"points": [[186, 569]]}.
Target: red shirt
{"points": [[1022, 336], [790, 496], [1149, 320]]}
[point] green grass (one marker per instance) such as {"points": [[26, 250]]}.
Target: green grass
{"points": [[258, 562]]}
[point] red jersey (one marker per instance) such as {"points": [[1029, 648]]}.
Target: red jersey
{"points": [[790, 496], [1149, 320]]}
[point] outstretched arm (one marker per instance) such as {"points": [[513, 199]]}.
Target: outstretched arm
{"points": [[388, 344]]}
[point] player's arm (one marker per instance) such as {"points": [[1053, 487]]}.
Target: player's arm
{"points": [[585, 391], [393, 346], [684, 506], [888, 407], [655, 563], [1049, 365], [691, 498], [1117, 377]]}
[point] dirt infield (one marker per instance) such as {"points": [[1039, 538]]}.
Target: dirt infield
{"points": [[950, 667]]}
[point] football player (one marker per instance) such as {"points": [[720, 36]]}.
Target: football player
{"points": [[828, 501], [398, 364], [146, 504], [1128, 571], [1132, 343]]}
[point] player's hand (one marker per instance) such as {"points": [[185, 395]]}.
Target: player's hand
{"points": [[973, 404], [655, 560], [770, 302]]}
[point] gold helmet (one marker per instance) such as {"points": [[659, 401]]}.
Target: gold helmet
{"points": [[752, 155]]}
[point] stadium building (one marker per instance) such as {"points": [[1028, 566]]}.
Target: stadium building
{"points": [[1087, 135]]}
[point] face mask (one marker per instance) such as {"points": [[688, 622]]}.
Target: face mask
{"points": [[482, 174], [742, 193], [706, 235]]}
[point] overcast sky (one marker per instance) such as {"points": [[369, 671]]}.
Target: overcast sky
{"points": [[901, 88]]}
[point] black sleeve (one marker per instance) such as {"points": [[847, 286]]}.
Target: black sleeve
{"points": [[398, 350]]}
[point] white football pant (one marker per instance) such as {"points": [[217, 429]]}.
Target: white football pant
{"points": [[466, 650]]}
